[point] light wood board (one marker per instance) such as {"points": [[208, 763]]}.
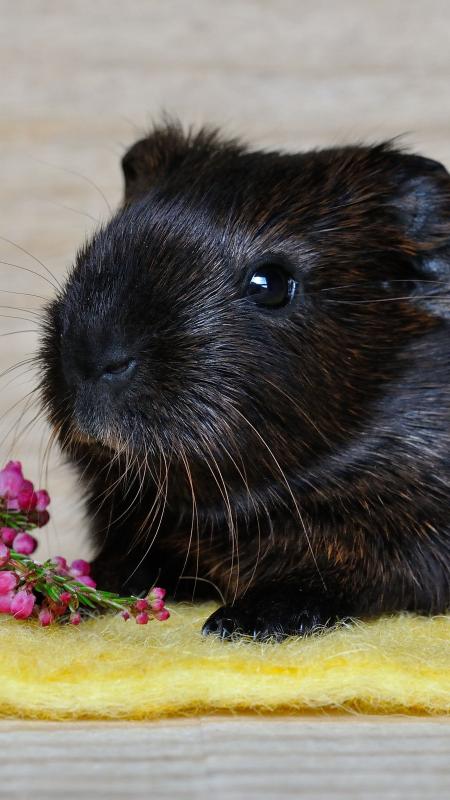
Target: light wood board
{"points": [[228, 759]]}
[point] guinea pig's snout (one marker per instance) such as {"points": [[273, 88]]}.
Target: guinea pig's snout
{"points": [[118, 370], [112, 367]]}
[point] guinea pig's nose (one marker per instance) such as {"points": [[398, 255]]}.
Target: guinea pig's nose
{"points": [[117, 369], [93, 361]]}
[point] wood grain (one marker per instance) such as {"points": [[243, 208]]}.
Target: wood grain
{"points": [[228, 759], [79, 82]]}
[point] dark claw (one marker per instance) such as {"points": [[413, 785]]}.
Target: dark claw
{"points": [[225, 623], [273, 613]]}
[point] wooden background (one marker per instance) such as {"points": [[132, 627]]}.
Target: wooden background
{"points": [[79, 82]]}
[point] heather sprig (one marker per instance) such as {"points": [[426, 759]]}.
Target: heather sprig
{"points": [[53, 590]]}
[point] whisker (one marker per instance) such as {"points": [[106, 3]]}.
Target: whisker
{"points": [[255, 509], [24, 294], [197, 578], [194, 516], [147, 551], [18, 434], [22, 319], [16, 377], [231, 524], [77, 175], [291, 494], [33, 313], [411, 299], [16, 366], [31, 271], [71, 208], [11, 408], [301, 411], [38, 261], [13, 333], [372, 283], [27, 399]]}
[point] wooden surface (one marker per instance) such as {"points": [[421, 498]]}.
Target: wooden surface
{"points": [[80, 81], [228, 759]]}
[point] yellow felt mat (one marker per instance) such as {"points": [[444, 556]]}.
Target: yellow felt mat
{"points": [[108, 668]]}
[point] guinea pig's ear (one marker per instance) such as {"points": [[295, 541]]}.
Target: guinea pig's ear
{"points": [[160, 152], [422, 204], [164, 151]]}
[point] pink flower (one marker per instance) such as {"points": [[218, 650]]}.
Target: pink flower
{"points": [[142, 618], [4, 554], [59, 609], [5, 603], [12, 504], [25, 544], [162, 615], [79, 567], [65, 598], [39, 518], [43, 500], [157, 605], [61, 563], [45, 617], [75, 618], [87, 580], [22, 604], [141, 604], [8, 582], [8, 535], [11, 480], [126, 614], [157, 593], [27, 497]]}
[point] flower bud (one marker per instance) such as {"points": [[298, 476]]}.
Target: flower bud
{"points": [[157, 605], [8, 535], [142, 618], [141, 604], [61, 563], [8, 582], [162, 615], [11, 480], [43, 500], [39, 518], [5, 602], [157, 593], [4, 554], [87, 580], [45, 617], [79, 567], [22, 604], [25, 544], [27, 497]]}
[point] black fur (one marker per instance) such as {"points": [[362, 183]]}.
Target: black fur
{"points": [[297, 458]]}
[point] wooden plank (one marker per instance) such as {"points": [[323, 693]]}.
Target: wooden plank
{"points": [[325, 758]]}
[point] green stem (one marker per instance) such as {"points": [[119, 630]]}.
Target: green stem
{"points": [[86, 595], [15, 520]]}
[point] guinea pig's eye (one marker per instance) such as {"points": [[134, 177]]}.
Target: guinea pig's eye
{"points": [[271, 286]]}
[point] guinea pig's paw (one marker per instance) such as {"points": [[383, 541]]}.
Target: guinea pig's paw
{"points": [[272, 614], [228, 621]]}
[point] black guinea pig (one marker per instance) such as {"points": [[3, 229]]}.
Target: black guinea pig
{"points": [[250, 367]]}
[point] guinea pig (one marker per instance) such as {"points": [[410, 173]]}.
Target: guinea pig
{"points": [[249, 365]]}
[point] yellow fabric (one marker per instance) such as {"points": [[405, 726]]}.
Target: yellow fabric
{"points": [[108, 668]]}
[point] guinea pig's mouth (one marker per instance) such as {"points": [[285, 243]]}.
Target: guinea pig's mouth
{"points": [[102, 434]]}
